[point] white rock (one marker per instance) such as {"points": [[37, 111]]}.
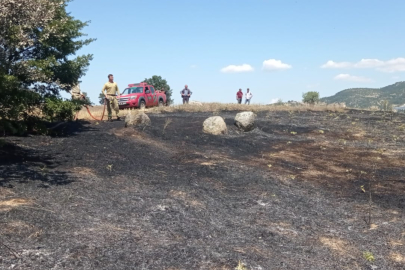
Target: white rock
{"points": [[215, 125], [136, 118], [245, 121]]}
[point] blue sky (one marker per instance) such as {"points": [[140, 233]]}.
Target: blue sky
{"points": [[278, 49]]}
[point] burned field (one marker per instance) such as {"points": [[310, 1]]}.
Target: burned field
{"points": [[304, 190]]}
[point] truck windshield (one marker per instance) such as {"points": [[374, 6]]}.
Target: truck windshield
{"points": [[132, 90]]}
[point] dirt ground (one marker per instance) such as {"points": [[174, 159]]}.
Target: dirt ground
{"points": [[304, 190]]}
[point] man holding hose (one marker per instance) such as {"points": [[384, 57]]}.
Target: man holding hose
{"points": [[111, 93]]}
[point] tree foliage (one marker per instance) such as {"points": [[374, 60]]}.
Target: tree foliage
{"points": [[87, 99], [101, 98], [38, 40], [310, 97], [161, 84], [56, 109]]}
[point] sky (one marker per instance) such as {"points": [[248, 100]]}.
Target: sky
{"points": [[277, 48]]}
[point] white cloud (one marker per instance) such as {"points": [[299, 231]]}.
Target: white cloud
{"points": [[393, 65], [352, 78], [273, 64], [236, 68], [332, 64], [368, 63]]}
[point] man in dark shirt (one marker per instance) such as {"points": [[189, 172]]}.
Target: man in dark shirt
{"points": [[185, 94], [239, 96]]}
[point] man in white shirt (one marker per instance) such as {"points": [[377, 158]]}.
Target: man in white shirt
{"points": [[248, 96]]}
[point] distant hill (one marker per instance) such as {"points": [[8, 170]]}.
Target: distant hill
{"points": [[368, 97]]}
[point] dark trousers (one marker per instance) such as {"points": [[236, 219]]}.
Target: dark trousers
{"points": [[239, 100], [185, 99]]}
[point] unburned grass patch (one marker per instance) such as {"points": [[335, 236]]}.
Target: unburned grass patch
{"points": [[215, 108], [339, 246], [8, 204], [84, 171], [398, 257]]}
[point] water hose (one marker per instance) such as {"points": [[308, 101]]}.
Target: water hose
{"points": [[88, 110]]}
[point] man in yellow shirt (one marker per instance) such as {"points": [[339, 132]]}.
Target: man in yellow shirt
{"points": [[111, 93]]}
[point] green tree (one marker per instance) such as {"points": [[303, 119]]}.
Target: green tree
{"points": [[161, 84], [87, 101], [310, 97], [101, 98], [38, 41]]}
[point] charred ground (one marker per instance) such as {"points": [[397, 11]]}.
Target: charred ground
{"points": [[292, 194]]}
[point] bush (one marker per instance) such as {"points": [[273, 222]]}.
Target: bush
{"points": [[57, 109], [385, 105], [310, 97]]}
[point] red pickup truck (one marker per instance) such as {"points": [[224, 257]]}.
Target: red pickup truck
{"points": [[141, 95]]}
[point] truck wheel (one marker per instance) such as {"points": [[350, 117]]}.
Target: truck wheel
{"points": [[142, 105], [161, 103]]}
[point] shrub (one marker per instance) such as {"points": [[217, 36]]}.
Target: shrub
{"points": [[310, 97], [385, 105], [57, 109]]}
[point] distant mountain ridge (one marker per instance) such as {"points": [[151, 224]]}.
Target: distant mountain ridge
{"points": [[368, 97]]}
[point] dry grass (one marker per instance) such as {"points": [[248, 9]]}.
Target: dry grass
{"points": [[84, 171], [397, 257], [97, 111], [337, 245], [7, 205]]}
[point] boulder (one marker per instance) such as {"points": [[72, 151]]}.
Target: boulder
{"points": [[245, 121], [136, 119], [215, 125]]}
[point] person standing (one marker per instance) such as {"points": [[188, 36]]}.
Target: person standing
{"points": [[111, 93], [248, 96], [239, 96], [185, 94]]}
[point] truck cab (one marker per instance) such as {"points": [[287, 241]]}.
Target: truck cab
{"points": [[141, 95]]}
